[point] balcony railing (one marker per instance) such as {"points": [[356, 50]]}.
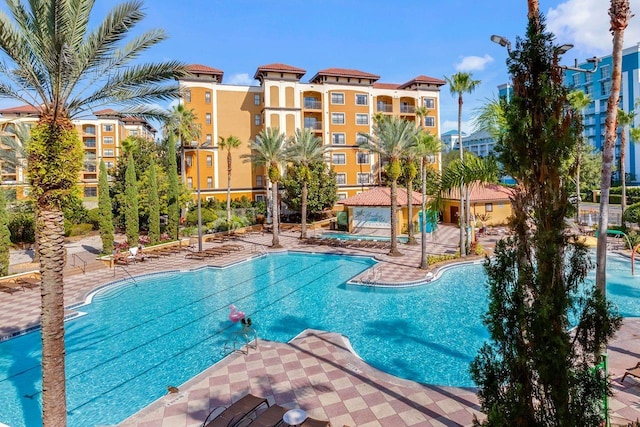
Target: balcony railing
{"points": [[312, 104], [383, 107], [89, 131], [316, 125], [407, 109], [90, 144]]}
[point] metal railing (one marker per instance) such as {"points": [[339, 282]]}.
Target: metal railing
{"points": [[312, 104], [384, 108], [126, 271], [407, 109], [313, 125], [84, 263]]}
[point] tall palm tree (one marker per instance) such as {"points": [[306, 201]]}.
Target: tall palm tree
{"points": [[620, 14], [306, 148], [183, 123], [391, 138], [269, 149], [624, 120], [55, 63], [410, 173], [579, 100], [459, 84], [229, 144], [490, 118], [426, 145], [421, 112]]}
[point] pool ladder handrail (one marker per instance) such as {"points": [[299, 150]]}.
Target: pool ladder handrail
{"points": [[126, 271], [242, 340]]}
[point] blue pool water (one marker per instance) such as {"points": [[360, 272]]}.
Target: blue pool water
{"points": [[136, 339]]}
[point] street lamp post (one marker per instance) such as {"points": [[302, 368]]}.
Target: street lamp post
{"points": [[197, 145]]}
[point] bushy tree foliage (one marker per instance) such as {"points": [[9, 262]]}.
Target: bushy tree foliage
{"points": [[5, 235], [173, 203], [535, 371], [132, 224], [154, 206], [321, 186], [106, 214]]}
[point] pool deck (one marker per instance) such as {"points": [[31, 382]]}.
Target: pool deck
{"points": [[316, 371]]}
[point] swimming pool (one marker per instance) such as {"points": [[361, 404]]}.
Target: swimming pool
{"points": [[121, 356]]}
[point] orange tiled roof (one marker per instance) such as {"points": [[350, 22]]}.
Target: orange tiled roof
{"points": [[381, 196], [105, 112], [484, 192], [424, 79], [386, 85], [279, 67], [203, 69], [21, 109], [344, 72]]}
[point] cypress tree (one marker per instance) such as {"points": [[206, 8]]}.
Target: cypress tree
{"points": [[131, 218], [5, 235], [534, 372], [104, 206], [154, 206], [173, 206]]}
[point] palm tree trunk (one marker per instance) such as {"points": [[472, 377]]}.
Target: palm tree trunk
{"points": [[579, 163], [303, 225], [394, 220], [50, 235], [620, 14], [623, 180], [410, 230], [461, 216], [467, 211], [229, 192], [275, 242], [423, 222]]}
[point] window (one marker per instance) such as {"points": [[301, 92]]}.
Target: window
{"points": [[257, 120], [91, 130], [259, 181], [209, 161], [109, 165], [429, 121], [209, 182], [208, 118], [259, 197], [488, 207], [90, 142], [605, 72], [337, 98], [256, 99], [107, 152], [588, 89], [363, 178], [190, 182], [341, 178], [362, 119], [588, 77], [339, 159], [362, 158], [342, 196], [337, 118], [187, 96], [208, 138], [576, 79], [362, 99], [90, 191], [429, 102], [108, 128], [188, 160], [133, 132], [207, 97], [338, 139], [431, 159], [605, 87], [361, 139]]}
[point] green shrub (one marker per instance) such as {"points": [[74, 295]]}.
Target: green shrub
{"points": [[432, 259], [93, 217], [79, 229], [22, 228]]}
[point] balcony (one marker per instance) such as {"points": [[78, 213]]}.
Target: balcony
{"points": [[89, 130], [383, 107], [312, 104], [312, 124], [407, 109]]}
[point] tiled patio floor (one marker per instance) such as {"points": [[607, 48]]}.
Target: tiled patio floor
{"points": [[316, 371]]}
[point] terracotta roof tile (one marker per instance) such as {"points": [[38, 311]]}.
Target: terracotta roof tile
{"points": [[380, 196], [203, 69], [481, 192], [386, 85], [105, 112], [278, 67], [21, 109], [424, 79], [344, 72]]}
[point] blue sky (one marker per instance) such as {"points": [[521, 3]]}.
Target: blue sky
{"points": [[397, 40]]}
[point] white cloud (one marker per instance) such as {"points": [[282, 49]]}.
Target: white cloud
{"points": [[467, 126], [240, 79], [473, 63], [585, 24]]}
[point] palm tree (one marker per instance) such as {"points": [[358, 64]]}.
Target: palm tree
{"points": [[269, 150], [624, 120], [15, 138], [391, 138], [421, 112], [459, 84], [426, 145], [55, 63], [229, 144], [620, 14], [410, 173], [183, 123], [306, 149], [579, 100], [490, 118]]}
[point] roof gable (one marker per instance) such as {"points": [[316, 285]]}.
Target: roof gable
{"points": [[381, 196]]}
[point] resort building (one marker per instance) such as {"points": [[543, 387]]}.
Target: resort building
{"points": [[101, 136], [336, 104], [450, 140]]}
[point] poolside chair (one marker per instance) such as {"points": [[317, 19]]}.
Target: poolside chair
{"points": [[312, 422], [121, 258], [634, 372], [11, 287], [28, 282], [272, 417], [236, 412]]}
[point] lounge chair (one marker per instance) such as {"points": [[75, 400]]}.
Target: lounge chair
{"points": [[11, 287], [272, 417], [312, 422], [121, 258], [28, 282], [236, 412], [634, 372]]}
